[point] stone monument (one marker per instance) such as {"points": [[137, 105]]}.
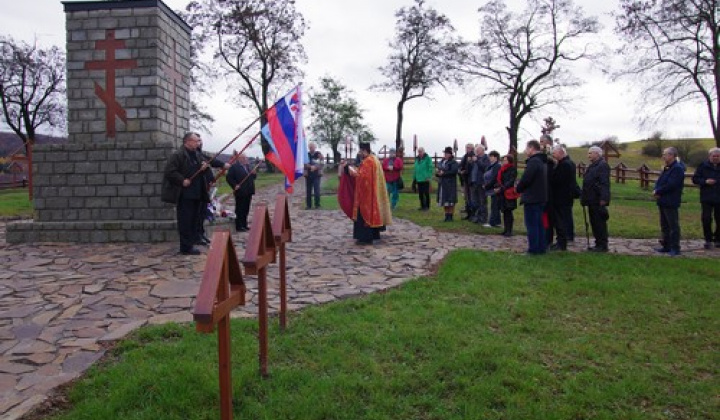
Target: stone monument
{"points": [[128, 72]]}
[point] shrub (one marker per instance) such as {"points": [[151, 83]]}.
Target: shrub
{"points": [[654, 146], [685, 149], [696, 158]]}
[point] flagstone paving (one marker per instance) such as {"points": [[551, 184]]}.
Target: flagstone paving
{"points": [[60, 304]]}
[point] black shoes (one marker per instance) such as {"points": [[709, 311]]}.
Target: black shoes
{"points": [[191, 251], [558, 247], [598, 249]]}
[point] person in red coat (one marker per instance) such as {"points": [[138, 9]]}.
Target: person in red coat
{"points": [[392, 169]]}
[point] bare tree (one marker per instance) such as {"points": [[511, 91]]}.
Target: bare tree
{"points": [[32, 87], [523, 58], [418, 58], [673, 49], [256, 40], [336, 115]]}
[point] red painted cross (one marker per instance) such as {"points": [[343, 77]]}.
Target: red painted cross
{"points": [[110, 64], [175, 76]]}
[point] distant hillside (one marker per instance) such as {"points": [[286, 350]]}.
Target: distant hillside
{"points": [[10, 142], [631, 152]]}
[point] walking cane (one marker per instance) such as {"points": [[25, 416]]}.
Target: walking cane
{"points": [[587, 232]]}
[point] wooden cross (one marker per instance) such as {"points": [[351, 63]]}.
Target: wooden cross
{"points": [[283, 233], [222, 289], [259, 252]]}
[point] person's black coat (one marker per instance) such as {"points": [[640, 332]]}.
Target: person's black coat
{"points": [[182, 165], [465, 167], [533, 184], [708, 193], [563, 184], [447, 190], [507, 181], [596, 184], [237, 175]]}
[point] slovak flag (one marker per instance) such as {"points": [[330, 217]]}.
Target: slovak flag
{"points": [[286, 137]]}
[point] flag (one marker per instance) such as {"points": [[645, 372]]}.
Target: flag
{"points": [[286, 137]]}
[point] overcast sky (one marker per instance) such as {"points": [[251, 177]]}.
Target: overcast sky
{"points": [[348, 40]]}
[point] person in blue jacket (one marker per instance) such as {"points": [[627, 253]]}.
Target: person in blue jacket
{"points": [[707, 177], [668, 194]]}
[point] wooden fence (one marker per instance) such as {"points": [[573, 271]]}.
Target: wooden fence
{"points": [[6, 185], [620, 172]]}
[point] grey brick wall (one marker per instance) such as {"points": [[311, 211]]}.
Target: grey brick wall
{"points": [[101, 187]]}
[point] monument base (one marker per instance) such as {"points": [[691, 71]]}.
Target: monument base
{"points": [[92, 232]]}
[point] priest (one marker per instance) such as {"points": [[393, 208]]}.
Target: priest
{"points": [[363, 196]]}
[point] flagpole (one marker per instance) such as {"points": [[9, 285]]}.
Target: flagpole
{"points": [[241, 133], [248, 175], [236, 155]]}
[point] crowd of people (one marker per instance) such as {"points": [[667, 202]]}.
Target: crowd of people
{"points": [[369, 191], [548, 189]]}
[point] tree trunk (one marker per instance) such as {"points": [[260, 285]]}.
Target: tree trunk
{"points": [[264, 145], [336, 156], [513, 133], [398, 128]]}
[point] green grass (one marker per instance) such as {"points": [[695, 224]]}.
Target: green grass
{"points": [[263, 180], [15, 203], [577, 337]]}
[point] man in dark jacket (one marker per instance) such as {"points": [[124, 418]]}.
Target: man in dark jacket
{"points": [[707, 176], [480, 162], [534, 189], [563, 191], [188, 193], [596, 196], [464, 173], [489, 183], [209, 183], [668, 194], [241, 179], [313, 174]]}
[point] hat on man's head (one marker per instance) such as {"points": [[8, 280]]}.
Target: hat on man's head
{"points": [[365, 146], [449, 150], [392, 149]]}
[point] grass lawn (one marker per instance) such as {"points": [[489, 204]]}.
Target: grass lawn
{"points": [[263, 180], [15, 202], [577, 337]]}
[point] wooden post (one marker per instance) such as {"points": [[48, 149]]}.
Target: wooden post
{"points": [[30, 169], [282, 233], [620, 173], [259, 252], [221, 290], [644, 172]]}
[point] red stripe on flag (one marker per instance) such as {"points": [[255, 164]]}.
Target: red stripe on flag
{"points": [[282, 145]]}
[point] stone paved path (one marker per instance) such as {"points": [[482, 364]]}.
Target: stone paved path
{"points": [[61, 303]]}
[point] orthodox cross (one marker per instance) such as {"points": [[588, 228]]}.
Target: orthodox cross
{"points": [[110, 64]]}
